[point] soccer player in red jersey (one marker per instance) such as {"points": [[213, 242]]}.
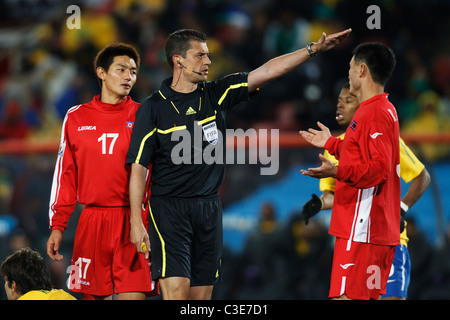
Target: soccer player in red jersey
{"points": [[365, 217], [91, 169]]}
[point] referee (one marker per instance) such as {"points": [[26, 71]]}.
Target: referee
{"points": [[186, 213]]}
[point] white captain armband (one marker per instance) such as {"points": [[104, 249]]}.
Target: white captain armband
{"points": [[404, 206]]}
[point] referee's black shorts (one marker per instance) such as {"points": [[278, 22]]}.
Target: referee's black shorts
{"points": [[186, 238]]}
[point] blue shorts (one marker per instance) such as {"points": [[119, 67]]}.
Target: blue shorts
{"points": [[399, 277]]}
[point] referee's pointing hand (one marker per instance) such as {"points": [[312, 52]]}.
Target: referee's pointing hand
{"points": [[326, 43]]}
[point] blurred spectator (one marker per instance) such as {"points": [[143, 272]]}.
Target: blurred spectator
{"points": [[422, 259], [306, 252], [99, 28], [431, 119], [13, 124], [259, 260], [6, 190], [31, 193], [439, 286]]}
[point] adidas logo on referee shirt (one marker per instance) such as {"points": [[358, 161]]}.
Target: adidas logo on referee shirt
{"points": [[190, 111]]}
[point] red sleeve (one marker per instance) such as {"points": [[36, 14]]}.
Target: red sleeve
{"points": [[377, 151], [333, 145], [63, 196]]}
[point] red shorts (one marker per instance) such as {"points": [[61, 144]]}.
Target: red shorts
{"points": [[104, 261], [360, 270]]}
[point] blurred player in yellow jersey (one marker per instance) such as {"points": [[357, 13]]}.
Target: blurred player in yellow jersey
{"points": [[411, 169], [27, 277]]}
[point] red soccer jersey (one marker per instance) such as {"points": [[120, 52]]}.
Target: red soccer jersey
{"points": [[366, 205], [90, 167]]}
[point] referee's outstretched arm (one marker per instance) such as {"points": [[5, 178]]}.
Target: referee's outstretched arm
{"points": [[281, 65]]}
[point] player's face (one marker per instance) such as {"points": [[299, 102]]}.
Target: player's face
{"points": [[197, 58], [10, 292], [353, 78], [121, 76], [346, 107]]}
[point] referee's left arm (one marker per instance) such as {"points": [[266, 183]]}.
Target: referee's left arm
{"points": [[138, 157], [138, 233], [281, 65]]}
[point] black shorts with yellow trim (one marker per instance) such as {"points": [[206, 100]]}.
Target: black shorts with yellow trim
{"points": [[186, 238]]}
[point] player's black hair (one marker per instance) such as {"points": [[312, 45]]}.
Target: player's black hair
{"points": [[379, 58], [105, 57], [179, 42], [28, 270]]}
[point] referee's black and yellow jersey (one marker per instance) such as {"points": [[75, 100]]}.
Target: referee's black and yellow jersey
{"points": [[160, 133]]}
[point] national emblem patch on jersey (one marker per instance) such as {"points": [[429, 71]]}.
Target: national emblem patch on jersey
{"points": [[129, 124]]}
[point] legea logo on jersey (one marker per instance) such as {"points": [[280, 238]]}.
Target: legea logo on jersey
{"points": [[83, 128], [238, 141]]}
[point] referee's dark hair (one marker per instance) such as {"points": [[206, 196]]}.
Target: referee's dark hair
{"points": [[379, 58], [179, 42], [105, 57], [28, 270]]}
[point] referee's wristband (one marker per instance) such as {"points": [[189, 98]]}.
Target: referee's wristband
{"points": [[404, 206], [310, 51]]}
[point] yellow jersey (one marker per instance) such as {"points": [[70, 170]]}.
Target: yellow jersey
{"points": [[55, 294], [410, 168]]}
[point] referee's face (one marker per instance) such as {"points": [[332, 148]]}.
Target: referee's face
{"points": [[197, 61]]}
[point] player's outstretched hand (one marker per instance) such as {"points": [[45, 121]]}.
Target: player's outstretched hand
{"points": [[327, 169], [317, 138], [311, 208]]}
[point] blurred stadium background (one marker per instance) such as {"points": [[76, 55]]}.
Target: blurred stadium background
{"points": [[45, 68]]}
